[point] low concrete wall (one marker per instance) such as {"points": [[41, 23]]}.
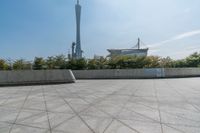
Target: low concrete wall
{"points": [[182, 72], [136, 73], [28, 77]]}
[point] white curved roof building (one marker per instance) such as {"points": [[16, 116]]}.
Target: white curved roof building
{"points": [[129, 52]]}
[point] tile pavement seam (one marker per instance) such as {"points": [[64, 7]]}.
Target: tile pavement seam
{"points": [[196, 106], [46, 110], [173, 127], [130, 96], [76, 113], [29, 117], [67, 119], [191, 87], [99, 100], [167, 112], [9, 98], [155, 120], [113, 117], [181, 125], [158, 104], [63, 122], [29, 126], [20, 109], [108, 126], [123, 109], [183, 97]]}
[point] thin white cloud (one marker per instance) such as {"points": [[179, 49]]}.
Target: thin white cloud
{"points": [[187, 10], [185, 52], [187, 34], [175, 38]]}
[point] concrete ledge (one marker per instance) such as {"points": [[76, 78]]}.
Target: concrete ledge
{"points": [[27, 77], [137, 73], [182, 72]]}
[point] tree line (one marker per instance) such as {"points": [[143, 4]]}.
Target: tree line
{"points": [[117, 62]]}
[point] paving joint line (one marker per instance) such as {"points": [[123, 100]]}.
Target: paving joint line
{"points": [[20, 109], [130, 97], [158, 104], [2, 104], [108, 126], [156, 121], [46, 109], [114, 117], [167, 112], [184, 98], [101, 99], [76, 113]]}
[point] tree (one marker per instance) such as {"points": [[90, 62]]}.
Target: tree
{"points": [[81, 64], [21, 64], [92, 64], [180, 63], [129, 62], [60, 62], [193, 60], [3, 65], [97, 63], [77, 64], [39, 63], [50, 62], [152, 62], [166, 62], [115, 62]]}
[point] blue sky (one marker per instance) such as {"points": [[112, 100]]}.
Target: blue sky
{"points": [[30, 28]]}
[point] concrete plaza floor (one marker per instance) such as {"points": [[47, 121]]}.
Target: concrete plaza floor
{"points": [[103, 106]]}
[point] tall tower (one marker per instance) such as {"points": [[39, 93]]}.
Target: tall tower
{"points": [[78, 35]]}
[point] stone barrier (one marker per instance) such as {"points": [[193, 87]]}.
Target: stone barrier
{"points": [[136, 73], [31, 77], [182, 72]]}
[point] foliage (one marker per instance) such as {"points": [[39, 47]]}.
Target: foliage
{"points": [[97, 63], [79, 64], [193, 60], [57, 62], [39, 63], [22, 65], [117, 62], [125, 62], [166, 62], [3, 65]]}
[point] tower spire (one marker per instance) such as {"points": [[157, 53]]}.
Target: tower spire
{"points": [[138, 43], [78, 36]]}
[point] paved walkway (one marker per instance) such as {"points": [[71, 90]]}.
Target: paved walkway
{"points": [[103, 106]]}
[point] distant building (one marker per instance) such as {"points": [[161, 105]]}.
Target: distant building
{"points": [[78, 34], [129, 52], [76, 46], [98, 57]]}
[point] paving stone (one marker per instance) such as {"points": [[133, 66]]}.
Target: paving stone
{"points": [[103, 106], [33, 118], [117, 127], [27, 129], [144, 127], [8, 114], [74, 125], [98, 124], [4, 127]]}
